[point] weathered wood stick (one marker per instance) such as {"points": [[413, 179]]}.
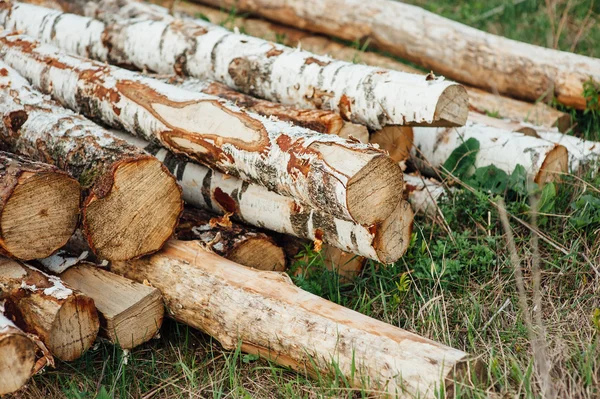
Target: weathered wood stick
{"points": [[130, 313], [455, 50], [132, 201], [233, 241], [163, 44], [39, 205], [65, 320], [349, 180], [481, 101], [275, 319], [543, 161], [17, 356], [254, 205]]}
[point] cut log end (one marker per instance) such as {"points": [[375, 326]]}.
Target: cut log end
{"points": [[259, 254], [452, 108], [396, 140], [40, 215], [374, 192], [359, 132], [137, 215], [17, 358], [555, 165], [392, 237]]}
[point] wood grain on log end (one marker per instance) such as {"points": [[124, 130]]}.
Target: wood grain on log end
{"points": [[392, 236], [554, 166], [396, 140], [452, 108], [40, 215], [259, 254], [17, 357], [136, 213]]}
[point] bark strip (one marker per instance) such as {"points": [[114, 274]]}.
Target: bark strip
{"points": [[17, 355], [278, 321]]}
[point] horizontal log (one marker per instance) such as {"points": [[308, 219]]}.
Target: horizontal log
{"points": [[349, 180], [504, 124], [254, 205], [132, 202], [39, 205], [233, 241], [276, 320], [581, 152], [163, 44], [17, 356], [65, 320], [423, 194], [466, 54]]}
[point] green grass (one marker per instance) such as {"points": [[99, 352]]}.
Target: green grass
{"points": [[455, 285]]}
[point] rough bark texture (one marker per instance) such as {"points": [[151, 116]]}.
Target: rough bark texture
{"points": [[163, 44], [39, 207], [233, 241], [275, 319], [347, 179], [542, 160], [130, 313], [455, 50], [120, 223], [17, 355], [252, 204], [65, 320]]}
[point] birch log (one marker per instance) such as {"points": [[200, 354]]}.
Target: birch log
{"points": [[349, 180], [396, 140], [65, 320], [254, 205], [423, 194], [543, 161], [130, 313], [276, 320], [161, 43], [39, 207], [132, 201], [455, 50], [481, 101], [504, 124], [581, 152], [238, 243], [17, 356]]}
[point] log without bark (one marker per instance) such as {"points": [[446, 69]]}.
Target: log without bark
{"points": [[396, 140], [130, 313], [349, 180], [455, 50], [17, 356], [132, 202], [161, 43], [65, 320], [39, 207], [254, 205], [479, 100], [543, 161], [238, 243], [275, 319]]}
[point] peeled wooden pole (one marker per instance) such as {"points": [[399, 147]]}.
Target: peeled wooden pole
{"points": [[39, 207], [252, 204], [132, 201], [238, 243], [350, 180], [275, 319], [65, 320], [130, 313], [455, 50], [17, 356], [543, 161], [163, 44]]}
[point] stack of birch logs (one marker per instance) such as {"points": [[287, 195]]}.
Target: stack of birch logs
{"points": [[116, 112]]}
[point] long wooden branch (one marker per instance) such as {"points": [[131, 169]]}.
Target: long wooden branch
{"points": [[163, 44], [39, 205], [17, 355], [455, 50], [252, 204], [346, 179], [271, 317]]}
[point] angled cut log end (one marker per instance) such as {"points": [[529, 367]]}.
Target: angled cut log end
{"points": [[453, 107], [396, 140], [134, 211], [554, 166], [392, 236], [17, 357]]}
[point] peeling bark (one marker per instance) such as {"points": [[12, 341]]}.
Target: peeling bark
{"points": [[252, 204], [135, 219], [17, 355], [39, 207], [349, 180], [233, 241], [65, 320], [160, 43]]}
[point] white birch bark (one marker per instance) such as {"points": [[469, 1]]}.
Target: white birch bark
{"points": [[252, 204], [542, 160], [367, 95], [277, 320], [347, 179], [581, 152], [423, 194]]}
